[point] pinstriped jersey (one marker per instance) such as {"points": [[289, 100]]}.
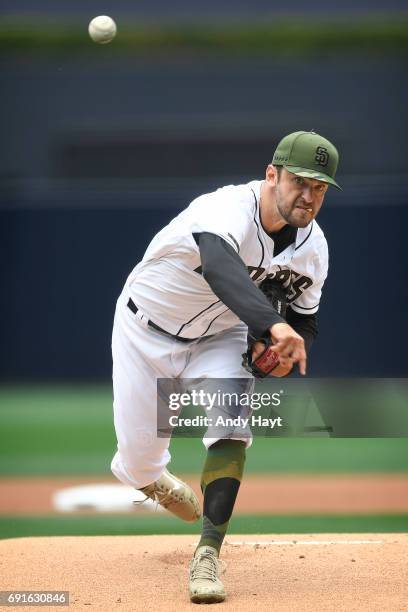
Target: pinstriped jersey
{"points": [[168, 287]]}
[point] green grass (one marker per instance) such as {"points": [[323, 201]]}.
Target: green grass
{"points": [[377, 34], [12, 527], [327, 455], [56, 430]]}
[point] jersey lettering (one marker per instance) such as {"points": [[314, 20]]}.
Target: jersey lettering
{"points": [[281, 276], [255, 272], [298, 286], [294, 283]]}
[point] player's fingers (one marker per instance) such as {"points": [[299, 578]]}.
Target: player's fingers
{"points": [[286, 362], [299, 356], [286, 348], [283, 344], [283, 354], [302, 366], [278, 348], [292, 352]]}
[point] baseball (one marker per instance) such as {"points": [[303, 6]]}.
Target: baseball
{"points": [[102, 29]]}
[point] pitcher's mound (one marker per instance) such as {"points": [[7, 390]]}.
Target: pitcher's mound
{"points": [[300, 572]]}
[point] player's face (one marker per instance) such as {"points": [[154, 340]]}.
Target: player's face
{"points": [[298, 199]]}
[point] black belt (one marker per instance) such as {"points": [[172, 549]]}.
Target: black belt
{"points": [[132, 306]]}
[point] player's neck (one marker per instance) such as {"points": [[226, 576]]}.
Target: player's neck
{"points": [[270, 217]]}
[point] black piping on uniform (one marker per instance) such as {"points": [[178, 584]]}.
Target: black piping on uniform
{"points": [[197, 315], [221, 313], [257, 228], [304, 308], [302, 243], [234, 241]]}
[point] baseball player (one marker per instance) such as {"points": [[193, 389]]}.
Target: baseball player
{"points": [[189, 306]]}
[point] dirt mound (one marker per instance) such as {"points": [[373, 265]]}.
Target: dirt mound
{"points": [[299, 572]]}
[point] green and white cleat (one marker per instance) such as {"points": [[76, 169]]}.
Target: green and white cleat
{"points": [[175, 496], [205, 585]]}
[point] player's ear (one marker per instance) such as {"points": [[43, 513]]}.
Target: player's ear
{"points": [[271, 175]]}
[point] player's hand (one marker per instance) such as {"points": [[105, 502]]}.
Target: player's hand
{"points": [[280, 370], [289, 345]]}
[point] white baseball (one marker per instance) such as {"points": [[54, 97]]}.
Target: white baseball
{"points": [[102, 29]]}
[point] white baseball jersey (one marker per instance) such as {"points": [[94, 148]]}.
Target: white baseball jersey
{"points": [[168, 287]]}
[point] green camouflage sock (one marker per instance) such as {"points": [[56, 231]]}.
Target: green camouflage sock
{"points": [[220, 482]]}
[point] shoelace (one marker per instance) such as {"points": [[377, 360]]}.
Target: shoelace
{"points": [[162, 498], [205, 567]]}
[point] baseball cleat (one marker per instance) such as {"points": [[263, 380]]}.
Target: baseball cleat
{"points": [[175, 496], [205, 585]]}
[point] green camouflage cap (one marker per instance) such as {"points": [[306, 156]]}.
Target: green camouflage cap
{"points": [[308, 154]]}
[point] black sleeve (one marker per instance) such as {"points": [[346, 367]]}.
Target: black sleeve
{"points": [[226, 273], [305, 325]]}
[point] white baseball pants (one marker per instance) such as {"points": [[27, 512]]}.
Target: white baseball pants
{"points": [[141, 355]]}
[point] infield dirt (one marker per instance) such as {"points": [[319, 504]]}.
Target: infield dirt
{"points": [[346, 572]]}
